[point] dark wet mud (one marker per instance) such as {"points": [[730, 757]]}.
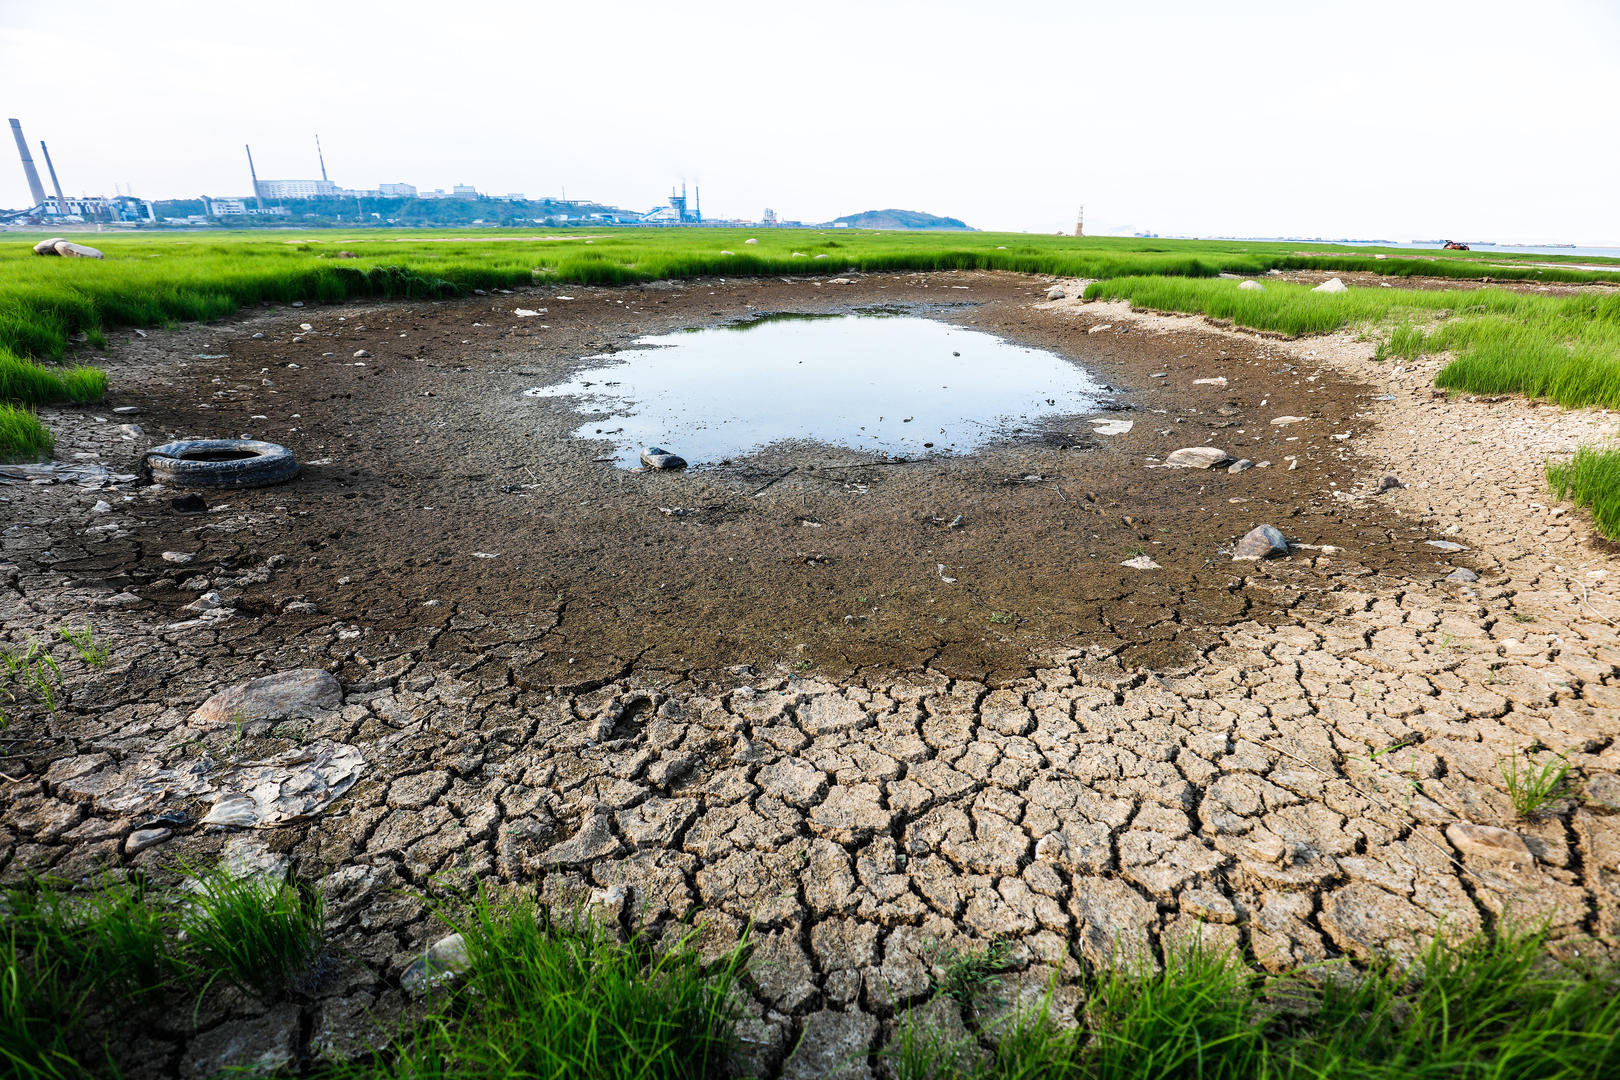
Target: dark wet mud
{"points": [[461, 521]]}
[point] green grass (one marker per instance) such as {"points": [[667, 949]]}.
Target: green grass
{"points": [[1533, 786], [35, 384], [1486, 1009], [1591, 478], [567, 1000], [22, 436], [257, 933]]}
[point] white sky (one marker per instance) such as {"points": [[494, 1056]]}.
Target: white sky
{"points": [[1416, 119]]}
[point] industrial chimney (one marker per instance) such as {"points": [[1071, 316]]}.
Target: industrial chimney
{"points": [[35, 188], [258, 197], [61, 203]]}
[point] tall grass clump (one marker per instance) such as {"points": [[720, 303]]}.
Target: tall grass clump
{"points": [[1485, 1009], [258, 933], [564, 998], [22, 436], [1591, 478]]}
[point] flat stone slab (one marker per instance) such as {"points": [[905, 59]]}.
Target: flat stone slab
{"points": [[303, 693], [1198, 457]]}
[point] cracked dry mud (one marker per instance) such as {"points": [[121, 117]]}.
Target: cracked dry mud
{"points": [[739, 718]]}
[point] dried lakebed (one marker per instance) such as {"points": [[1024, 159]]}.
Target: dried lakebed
{"points": [[548, 678]]}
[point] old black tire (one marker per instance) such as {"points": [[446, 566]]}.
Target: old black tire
{"points": [[221, 463]]}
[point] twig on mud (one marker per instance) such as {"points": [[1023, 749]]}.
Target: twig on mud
{"points": [[1059, 490], [757, 491], [10, 779], [1589, 606]]}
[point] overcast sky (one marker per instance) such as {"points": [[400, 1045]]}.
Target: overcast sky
{"points": [[1357, 118]]}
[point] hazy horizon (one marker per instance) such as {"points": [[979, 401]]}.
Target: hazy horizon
{"points": [[1382, 121]]}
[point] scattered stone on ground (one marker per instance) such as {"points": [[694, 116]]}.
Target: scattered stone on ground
{"points": [[1261, 542], [1197, 457], [661, 460], [1332, 285]]}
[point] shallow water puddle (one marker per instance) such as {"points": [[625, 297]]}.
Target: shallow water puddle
{"points": [[878, 382]]}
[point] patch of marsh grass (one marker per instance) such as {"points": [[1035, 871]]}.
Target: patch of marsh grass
{"points": [[1591, 478], [256, 932], [1485, 1009], [22, 436], [1532, 786], [565, 999]]}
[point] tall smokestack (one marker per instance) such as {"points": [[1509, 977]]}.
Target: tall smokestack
{"points": [[35, 189], [55, 183], [320, 155], [258, 198]]}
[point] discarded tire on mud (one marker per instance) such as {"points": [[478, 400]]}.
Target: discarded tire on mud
{"points": [[221, 463]]}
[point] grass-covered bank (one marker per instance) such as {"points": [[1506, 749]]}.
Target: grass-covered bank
{"points": [[150, 278], [528, 994], [22, 436], [1564, 349], [1591, 479]]}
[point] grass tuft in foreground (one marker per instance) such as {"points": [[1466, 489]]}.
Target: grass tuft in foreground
{"points": [[35, 384], [1591, 479], [1486, 1009], [255, 932], [565, 998], [22, 436]]}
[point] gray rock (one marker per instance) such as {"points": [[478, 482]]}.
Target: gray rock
{"points": [[77, 251], [48, 247], [1445, 545], [1254, 286], [178, 556], [102, 507], [304, 693], [1489, 842], [141, 839], [443, 962], [1198, 457], [657, 458], [1260, 542], [834, 1044], [1240, 465], [128, 410], [1281, 421], [1141, 562], [208, 601], [1055, 293], [1462, 573], [1332, 285], [362, 354]]}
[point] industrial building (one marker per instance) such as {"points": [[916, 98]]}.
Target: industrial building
{"points": [[676, 213], [117, 209]]}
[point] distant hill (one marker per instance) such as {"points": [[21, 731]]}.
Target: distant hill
{"points": [[899, 219]]}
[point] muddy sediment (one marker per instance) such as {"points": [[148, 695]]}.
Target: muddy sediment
{"points": [[774, 709], [427, 478]]}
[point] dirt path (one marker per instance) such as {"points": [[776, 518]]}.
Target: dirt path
{"points": [[552, 681]]}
